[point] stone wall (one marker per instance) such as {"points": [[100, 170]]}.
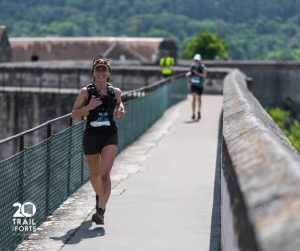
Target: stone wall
{"points": [[24, 109], [274, 87], [273, 82], [75, 74], [261, 176]]}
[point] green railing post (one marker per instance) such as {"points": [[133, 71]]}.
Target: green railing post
{"points": [[48, 168], [69, 160], [21, 178]]}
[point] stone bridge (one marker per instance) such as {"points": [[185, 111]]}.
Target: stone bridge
{"points": [[234, 181]]}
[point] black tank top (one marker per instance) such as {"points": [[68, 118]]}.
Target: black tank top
{"points": [[101, 119]]}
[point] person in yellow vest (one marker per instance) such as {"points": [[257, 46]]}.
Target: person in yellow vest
{"points": [[166, 64]]}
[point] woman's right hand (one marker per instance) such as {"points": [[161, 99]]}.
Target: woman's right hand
{"points": [[94, 102]]}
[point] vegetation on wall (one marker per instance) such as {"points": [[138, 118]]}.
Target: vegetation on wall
{"points": [[253, 30], [288, 124]]}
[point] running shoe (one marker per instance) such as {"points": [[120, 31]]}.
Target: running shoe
{"points": [[98, 217]]}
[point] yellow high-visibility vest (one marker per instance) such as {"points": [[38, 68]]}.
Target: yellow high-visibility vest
{"points": [[166, 63]]}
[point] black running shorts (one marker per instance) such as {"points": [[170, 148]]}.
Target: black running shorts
{"points": [[93, 142], [198, 90]]}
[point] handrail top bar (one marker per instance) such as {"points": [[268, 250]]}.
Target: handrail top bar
{"points": [[34, 129], [157, 83]]}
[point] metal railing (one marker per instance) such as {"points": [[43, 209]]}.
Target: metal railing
{"points": [[46, 173], [48, 126], [130, 95]]}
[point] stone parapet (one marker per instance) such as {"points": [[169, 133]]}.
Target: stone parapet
{"points": [[75, 74], [261, 172]]}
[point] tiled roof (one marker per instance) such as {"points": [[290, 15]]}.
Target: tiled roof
{"points": [[56, 48]]}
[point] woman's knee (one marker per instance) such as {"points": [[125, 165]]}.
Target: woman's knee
{"points": [[105, 176]]}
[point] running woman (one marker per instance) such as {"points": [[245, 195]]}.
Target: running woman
{"points": [[100, 101]]}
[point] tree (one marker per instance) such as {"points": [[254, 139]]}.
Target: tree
{"points": [[209, 45]]}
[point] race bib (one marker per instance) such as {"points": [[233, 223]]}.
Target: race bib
{"points": [[195, 80], [102, 120]]}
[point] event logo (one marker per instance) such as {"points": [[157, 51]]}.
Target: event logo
{"points": [[23, 221]]}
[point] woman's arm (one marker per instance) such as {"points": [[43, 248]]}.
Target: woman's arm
{"points": [[79, 109], [120, 109], [203, 74]]}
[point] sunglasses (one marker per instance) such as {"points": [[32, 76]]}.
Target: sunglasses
{"points": [[101, 61], [101, 69]]}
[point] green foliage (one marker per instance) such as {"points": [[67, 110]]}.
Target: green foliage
{"points": [[209, 45], [288, 124], [285, 55], [294, 135], [257, 29], [281, 117]]}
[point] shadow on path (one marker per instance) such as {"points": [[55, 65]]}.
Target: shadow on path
{"points": [[192, 121], [74, 236], [215, 228]]}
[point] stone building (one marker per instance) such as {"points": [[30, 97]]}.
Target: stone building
{"points": [[86, 48], [5, 49]]}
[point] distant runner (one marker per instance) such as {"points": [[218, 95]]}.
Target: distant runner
{"points": [[196, 77]]}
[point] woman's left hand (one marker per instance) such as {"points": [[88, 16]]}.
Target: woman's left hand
{"points": [[120, 112], [120, 109]]}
